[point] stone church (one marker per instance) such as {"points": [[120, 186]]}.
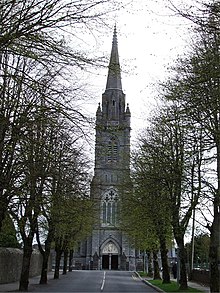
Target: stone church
{"points": [[108, 247]]}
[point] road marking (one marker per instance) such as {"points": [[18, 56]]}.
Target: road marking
{"points": [[103, 282]]}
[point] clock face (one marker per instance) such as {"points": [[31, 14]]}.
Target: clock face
{"points": [[110, 248]]}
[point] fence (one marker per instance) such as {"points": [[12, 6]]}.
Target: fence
{"points": [[200, 276]]}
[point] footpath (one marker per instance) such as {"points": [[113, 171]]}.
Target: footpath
{"points": [[198, 286], [13, 287], [191, 284]]}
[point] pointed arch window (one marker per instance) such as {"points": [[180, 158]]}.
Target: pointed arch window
{"points": [[109, 208], [104, 210]]}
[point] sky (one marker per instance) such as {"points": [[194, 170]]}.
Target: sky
{"points": [[150, 37]]}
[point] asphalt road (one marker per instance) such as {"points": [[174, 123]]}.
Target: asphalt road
{"points": [[94, 281]]}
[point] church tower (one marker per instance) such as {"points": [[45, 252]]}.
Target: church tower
{"points": [[108, 245]]}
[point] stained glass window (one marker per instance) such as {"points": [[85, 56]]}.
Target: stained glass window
{"points": [[109, 208]]}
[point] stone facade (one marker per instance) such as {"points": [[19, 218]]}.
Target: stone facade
{"points": [[108, 247]]}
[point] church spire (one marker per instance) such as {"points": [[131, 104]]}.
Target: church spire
{"points": [[114, 71]]}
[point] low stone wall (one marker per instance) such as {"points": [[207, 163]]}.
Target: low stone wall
{"points": [[11, 262], [200, 276]]}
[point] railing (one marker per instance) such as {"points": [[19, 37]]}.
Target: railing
{"points": [[200, 276]]}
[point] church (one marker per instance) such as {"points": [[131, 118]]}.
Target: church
{"points": [[108, 247]]}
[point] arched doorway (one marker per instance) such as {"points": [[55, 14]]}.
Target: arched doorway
{"points": [[110, 256]]}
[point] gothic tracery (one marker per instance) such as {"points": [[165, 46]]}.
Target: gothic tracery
{"points": [[109, 207]]}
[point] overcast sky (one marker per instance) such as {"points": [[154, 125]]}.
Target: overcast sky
{"points": [[150, 37]]}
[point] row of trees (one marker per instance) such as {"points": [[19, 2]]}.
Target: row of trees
{"points": [[177, 163], [44, 176]]}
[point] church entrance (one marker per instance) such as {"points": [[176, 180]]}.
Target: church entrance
{"points": [[110, 262], [110, 256], [114, 262], [105, 262]]}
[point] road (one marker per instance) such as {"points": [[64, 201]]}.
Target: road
{"points": [[94, 281]]}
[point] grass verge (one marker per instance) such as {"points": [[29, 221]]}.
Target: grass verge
{"points": [[172, 287], [144, 274]]}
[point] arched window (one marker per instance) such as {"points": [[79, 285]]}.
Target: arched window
{"points": [[109, 208], [113, 213]]}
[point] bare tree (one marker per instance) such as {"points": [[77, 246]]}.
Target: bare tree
{"points": [[38, 29], [34, 47]]}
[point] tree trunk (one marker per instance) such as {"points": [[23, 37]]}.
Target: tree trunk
{"points": [[43, 277], [57, 264], [182, 260], [65, 259], [44, 270], [71, 260], [45, 254], [3, 206], [163, 251], [156, 266], [213, 256], [27, 252], [149, 264]]}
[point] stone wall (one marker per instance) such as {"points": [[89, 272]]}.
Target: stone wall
{"points": [[11, 262]]}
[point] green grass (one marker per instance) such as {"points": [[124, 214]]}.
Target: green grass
{"points": [[144, 274], [172, 287]]}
